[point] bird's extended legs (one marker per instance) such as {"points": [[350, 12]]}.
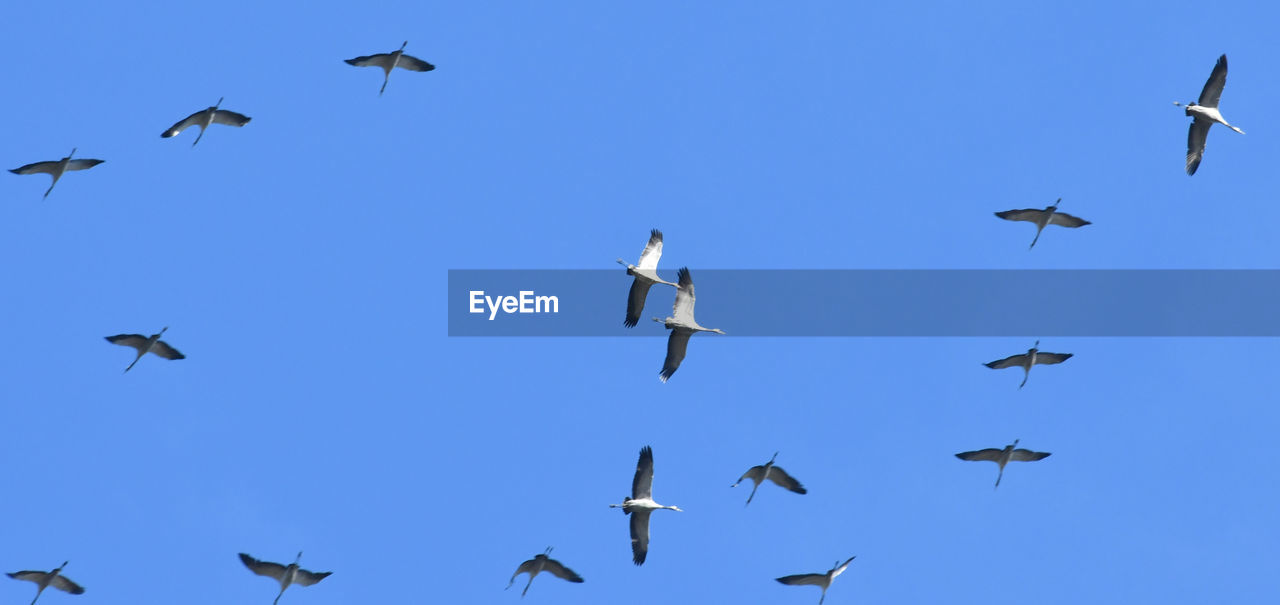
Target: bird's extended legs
{"points": [[135, 360], [1033, 241]]}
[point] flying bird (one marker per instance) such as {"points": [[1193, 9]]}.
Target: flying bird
{"points": [[146, 344], [646, 275], [390, 61], [539, 564], [45, 579], [822, 580], [286, 575], [1032, 357], [640, 505], [1043, 218], [56, 168], [758, 474], [1205, 113], [682, 325], [204, 118], [1003, 456]]}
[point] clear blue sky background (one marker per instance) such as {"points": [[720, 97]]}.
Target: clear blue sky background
{"points": [[300, 263]]}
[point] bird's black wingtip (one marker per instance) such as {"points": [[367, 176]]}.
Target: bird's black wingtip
{"points": [[630, 323], [14, 170], [349, 61]]}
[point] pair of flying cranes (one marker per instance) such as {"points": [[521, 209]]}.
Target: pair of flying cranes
{"points": [[286, 575], [213, 115]]}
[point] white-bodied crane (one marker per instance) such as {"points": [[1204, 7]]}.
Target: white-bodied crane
{"points": [[1204, 113], [640, 505], [646, 274], [682, 325]]}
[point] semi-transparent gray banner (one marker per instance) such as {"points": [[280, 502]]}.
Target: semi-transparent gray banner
{"points": [[780, 302]]}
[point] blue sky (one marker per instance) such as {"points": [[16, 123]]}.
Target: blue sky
{"points": [[300, 263]]}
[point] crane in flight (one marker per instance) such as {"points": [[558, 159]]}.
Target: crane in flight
{"points": [[539, 564], [390, 61], [45, 579], [205, 118], [1003, 456], [757, 475], [56, 168], [1205, 113], [286, 575], [640, 505], [821, 580]]}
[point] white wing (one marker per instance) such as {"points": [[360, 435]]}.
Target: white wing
{"points": [[682, 310], [652, 251]]}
